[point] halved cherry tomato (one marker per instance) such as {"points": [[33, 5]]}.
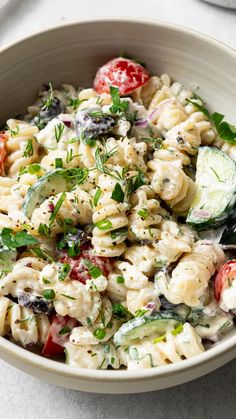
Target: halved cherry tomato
{"points": [[224, 278], [79, 271], [3, 139], [123, 73], [58, 335]]}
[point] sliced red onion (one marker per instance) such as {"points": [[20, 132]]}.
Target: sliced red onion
{"points": [[157, 111], [141, 123], [202, 213]]}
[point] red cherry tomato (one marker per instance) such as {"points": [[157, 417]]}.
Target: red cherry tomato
{"points": [[123, 73], [79, 271], [224, 278], [3, 139], [58, 335]]}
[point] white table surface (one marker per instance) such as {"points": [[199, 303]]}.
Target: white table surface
{"points": [[24, 397]]}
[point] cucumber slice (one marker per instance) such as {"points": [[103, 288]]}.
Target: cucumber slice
{"points": [[216, 189], [59, 180], [141, 327]]}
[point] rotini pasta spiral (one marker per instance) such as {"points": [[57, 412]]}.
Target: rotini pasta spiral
{"points": [[21, 145], [147, 354], [76, 206], [21, 323], [109, 218], [190, 278]]}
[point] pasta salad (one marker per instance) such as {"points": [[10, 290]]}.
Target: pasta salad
{"points": [[116, 222]]}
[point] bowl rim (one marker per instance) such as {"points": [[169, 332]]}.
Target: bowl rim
{"points": [[52, 366]]}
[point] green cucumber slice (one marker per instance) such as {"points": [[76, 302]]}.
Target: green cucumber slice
{"points": [[59, 180], [141, 327], [216, 189]]}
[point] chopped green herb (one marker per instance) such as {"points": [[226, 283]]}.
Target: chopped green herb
{"points": [[143, 213], [58, 130], [75, 103], [120, 279], [78, 174], [93, 270], [135, 182], [44, 230], [99, 333], [119, 310], [63, 270], [66, 329], [34, 169], [13, 132], [45, 281], [117, 193], [159, 339], [28, 150], [225, 130], [140, 312], [120, 232], [97, 196], [49, 294], [13, 241], [89, 321], [104, 224], [68, 296], [118, 106], [156, 142], [57, 207], [101, 157], [48, 102], [58, 163], [177, 330]]}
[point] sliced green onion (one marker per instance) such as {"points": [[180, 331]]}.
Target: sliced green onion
{"points": [[49, 294], [104, 224]]}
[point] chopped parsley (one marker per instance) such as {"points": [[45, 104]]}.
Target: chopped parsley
{"points": [[117, 106], [120, 279], [117, 193], [225, 130], [13, 241]]}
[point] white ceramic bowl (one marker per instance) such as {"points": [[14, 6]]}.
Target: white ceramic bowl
{"points": [[72, 54]]}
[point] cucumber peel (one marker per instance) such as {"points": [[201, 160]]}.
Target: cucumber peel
{"points": [[141, 327], [215, 189], [59, 180]]}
